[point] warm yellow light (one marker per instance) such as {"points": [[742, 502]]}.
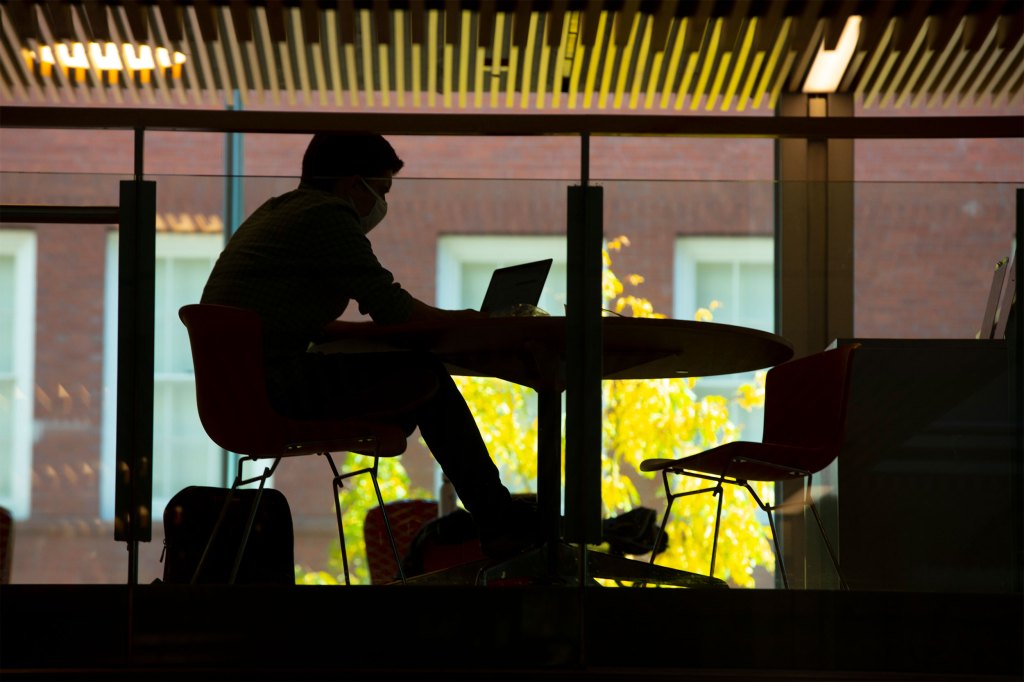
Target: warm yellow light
{"points": [[107, 57], [829, 65]]}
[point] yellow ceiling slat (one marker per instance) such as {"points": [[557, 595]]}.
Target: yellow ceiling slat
{"points": [[531, 44], [319, 71], [641, 61], [1012, 57], [543, 68], [61, 74], [447, 68], [749, 82], [140, 24], [939, 63], [865, 79], [626, 63], [919, 66], [432, 39], [719, 80], [709, 60], [464, 56], [579, 52], [773, 60], [595, 59], [333, 58], [971, 66], [673, 62], [480, 67], [512, 75], [563, 43], [970, 90], [947, 77], [879, 80], [231, 37], [773, 100], [741, 64], [160, 32], [129, 75], [496, 52], [1011, 91], [610, 62], [296, 37], [400, 63], [384, 70], [196, 45], [366, 52], [18, 87], [263, 32]]}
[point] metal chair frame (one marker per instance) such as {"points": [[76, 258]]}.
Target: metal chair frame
{"points": [[768, 509]]}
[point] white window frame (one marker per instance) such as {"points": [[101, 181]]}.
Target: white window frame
{"points": [[167, 246], [453, 251], [21, 244], [692, 251]]}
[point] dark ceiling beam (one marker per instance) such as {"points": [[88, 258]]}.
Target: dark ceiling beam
{"points": [[778, 127]]}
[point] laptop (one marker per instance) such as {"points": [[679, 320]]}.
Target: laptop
{"points": [[515, 285]]}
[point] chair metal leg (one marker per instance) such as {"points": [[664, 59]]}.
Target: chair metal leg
{"points": [[336, 486], [247, 530], [248, 527], [338, 478], [767, 509], [720, 492], [778, 551], [824, 536], [669, 499], [387, 523]]}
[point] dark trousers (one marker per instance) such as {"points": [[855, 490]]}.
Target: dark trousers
{"points": [[411, 388]]}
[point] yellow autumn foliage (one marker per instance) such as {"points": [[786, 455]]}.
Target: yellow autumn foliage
{"points": [[642, 419]]}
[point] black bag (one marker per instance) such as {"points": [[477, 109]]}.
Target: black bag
{"points": [[189, 519]]}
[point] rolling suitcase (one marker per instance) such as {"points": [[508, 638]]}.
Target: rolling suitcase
{"points": [[189, 520]]}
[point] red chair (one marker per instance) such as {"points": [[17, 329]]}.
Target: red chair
{"points": [[804, 419], [406, 519], [235, 410]]}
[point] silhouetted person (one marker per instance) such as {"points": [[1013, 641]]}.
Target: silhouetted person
{"points": [[298, 261]]}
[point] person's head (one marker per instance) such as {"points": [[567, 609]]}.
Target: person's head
{"points": [[355, 165]]}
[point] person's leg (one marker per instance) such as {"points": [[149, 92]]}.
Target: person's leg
{"points": [[371, 382], [449, 430]]}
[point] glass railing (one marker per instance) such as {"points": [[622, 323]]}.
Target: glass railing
{"points": [[922, 261]]}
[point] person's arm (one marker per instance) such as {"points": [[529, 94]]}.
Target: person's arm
{"points": [[423, 312]]}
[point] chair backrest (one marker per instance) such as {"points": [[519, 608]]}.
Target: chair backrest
{"points": [[805, 403], [231, 390]]}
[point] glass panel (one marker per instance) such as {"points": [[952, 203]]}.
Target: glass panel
{"points": [[925, 256], [7, 399], [6, 314]]}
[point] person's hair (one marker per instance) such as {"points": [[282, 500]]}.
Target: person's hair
{"points": [[330, 156]]}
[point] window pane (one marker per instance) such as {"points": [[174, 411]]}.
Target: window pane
{"points": [[6, 314], [182, 453], [6, 437], [756, 300], [714, 283]]}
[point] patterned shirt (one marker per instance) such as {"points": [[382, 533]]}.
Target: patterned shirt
{"points": [[297, 261]]}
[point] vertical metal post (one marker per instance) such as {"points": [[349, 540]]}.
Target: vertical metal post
{"points": [[584, 361], [133, 491], [814, 271]]}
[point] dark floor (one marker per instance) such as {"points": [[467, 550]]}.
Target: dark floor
{"points": [[169, 632]]}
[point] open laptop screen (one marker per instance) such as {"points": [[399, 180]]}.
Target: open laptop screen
{"points": [[516, 284]]}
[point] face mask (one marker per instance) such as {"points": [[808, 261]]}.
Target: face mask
{"points": [[376, 214]]}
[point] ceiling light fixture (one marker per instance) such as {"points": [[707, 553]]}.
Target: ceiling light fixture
{"points": [[106, 57], [829, 65]]}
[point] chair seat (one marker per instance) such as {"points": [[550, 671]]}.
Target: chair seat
{"points": [[374, 438], [746, 461]]}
